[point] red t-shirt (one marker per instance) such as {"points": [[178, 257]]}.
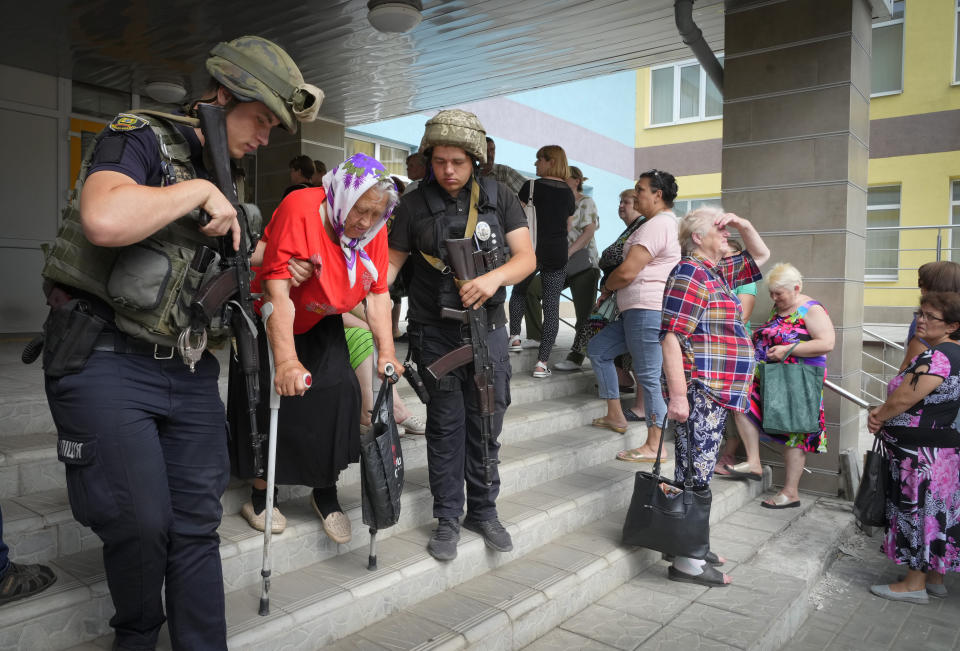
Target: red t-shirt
{"points": [[296, 231]]}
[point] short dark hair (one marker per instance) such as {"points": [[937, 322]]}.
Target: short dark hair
{"points": [[304, 165], [665, 182], [418, 157], [320, 167], [939, 276], [948, 303]]}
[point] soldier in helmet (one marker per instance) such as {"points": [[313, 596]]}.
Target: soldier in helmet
{"points": [[142, 436], [453, 202]]}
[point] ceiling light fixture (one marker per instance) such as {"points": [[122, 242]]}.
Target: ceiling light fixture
{"points": [[165, 92], [394, 16]]}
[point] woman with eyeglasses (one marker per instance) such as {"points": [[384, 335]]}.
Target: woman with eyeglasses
{"points": [[799, 331], [938, 276], [916, 427]]}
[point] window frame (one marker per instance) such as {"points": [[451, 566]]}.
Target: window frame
{"points": [[956, 45], [951, 205], [377, 143], [702, 201], [903, 48], [895, 276], [702, 95]]}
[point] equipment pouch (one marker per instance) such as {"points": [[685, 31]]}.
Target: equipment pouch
{"points": [[70, 333], [138, 280]]}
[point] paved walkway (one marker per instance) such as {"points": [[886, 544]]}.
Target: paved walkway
{"points": [[846, 616]]}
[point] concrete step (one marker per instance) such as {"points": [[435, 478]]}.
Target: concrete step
{"points": [[28, 462], [548, 485], [486, 600], [776, 560], [39, 526]]}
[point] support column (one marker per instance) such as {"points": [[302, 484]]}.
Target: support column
{"points": [[795, 150], [320, 140]]}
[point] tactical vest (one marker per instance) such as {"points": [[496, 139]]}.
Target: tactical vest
{"points": [[150, 284], [434, 225]]}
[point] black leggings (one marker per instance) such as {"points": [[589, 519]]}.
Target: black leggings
{"points": [[552, 282]]}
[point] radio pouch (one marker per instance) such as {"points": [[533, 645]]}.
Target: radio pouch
{"points": [[70, 334]]}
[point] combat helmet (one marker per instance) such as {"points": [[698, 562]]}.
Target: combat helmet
{"points": [[253, 68], [456, 128]]}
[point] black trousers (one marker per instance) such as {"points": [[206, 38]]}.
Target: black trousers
{"points": [[144, 443], [454, 445]]}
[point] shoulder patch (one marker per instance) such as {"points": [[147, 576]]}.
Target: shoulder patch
{"points": [[127, 122]]}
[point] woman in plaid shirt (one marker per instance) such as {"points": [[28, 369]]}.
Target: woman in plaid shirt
{"points": [[708, 357]]}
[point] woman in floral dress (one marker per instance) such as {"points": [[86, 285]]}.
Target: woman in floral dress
{"points": [[916, 426], [799, 332]]}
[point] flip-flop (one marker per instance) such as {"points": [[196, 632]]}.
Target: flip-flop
{"points": [[710, 577], [604, 423], [779, 501], [637, 457], [742, 471], [632, 417]]}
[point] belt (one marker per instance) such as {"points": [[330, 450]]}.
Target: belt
{"points": [[117, 342]]}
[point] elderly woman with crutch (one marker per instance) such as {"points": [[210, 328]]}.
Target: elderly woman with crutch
{"points": [[339, 229]]}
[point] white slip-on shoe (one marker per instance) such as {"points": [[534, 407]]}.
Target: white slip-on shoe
{"points": [[259, 520]]}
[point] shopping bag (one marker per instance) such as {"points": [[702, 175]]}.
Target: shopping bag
{"points": [[381, 465], [870, 504]]}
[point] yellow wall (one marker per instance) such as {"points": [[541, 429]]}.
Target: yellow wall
{"points": [[928, 33], [648, 136], [78, 126], [698, 186], [924, 182]]}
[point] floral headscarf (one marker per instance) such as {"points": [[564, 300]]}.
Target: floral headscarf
{"points": [[343, 185]]}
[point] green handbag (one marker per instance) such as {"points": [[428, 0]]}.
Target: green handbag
{"points": [[791, 395]]}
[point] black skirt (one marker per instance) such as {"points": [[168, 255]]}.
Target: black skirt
{"points": [[318, 434]]}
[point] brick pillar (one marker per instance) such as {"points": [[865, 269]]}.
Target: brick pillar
{"points": [[795, 149]]}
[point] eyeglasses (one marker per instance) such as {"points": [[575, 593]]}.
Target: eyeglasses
{"points": [[926, 316]]}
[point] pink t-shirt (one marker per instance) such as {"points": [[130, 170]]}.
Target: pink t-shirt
{"points": [[658, 235]]}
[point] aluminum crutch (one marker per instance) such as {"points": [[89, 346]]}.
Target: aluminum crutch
{"points": [[265, 311]]}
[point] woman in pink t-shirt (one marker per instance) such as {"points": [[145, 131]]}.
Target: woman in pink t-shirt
{"points": [[650, 253]]}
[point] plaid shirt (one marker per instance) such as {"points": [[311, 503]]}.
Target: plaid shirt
{"points": [[509, 177], [700, 308]]}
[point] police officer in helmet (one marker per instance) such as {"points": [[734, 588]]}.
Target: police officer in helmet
{"points": [[142, 436], [440, 209]]}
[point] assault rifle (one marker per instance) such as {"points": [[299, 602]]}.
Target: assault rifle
{"points": [[227, 294], [468, 263]]}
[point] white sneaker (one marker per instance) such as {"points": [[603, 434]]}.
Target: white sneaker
{"points": [[515, 345], [414, 425], [566, 365], [530, 343], [541, 370]]}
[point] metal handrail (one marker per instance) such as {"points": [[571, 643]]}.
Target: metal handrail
{"points": [[843, 393], [883, 339]]}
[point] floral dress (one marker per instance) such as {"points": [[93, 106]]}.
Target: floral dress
{"points": [[779, 331], [923, 502]]}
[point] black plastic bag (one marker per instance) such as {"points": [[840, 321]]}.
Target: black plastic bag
{"points": [[381, 465]]}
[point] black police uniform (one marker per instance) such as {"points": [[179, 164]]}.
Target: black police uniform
{"points": [[454, 445], [144, 443]]}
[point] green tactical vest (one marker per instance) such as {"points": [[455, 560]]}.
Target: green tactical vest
{"points": [[150, 284]]}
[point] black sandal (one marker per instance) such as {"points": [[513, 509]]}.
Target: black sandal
{"points": [[710, 577], [711, 558], [22, 581]]}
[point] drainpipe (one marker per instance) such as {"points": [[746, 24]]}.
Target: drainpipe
{"points": [[693, 37]]}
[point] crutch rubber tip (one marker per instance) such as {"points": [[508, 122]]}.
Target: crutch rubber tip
{"points": [[264, 607], [371, 562]]}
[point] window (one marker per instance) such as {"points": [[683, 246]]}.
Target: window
{"points": [[887, 63], [955, 220], [956, 45], [681, 93], [682, 206], [883, 246], [393, 158]]}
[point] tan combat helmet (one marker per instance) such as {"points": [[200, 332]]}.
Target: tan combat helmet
{"points": [[253, 68], [456, 128]]}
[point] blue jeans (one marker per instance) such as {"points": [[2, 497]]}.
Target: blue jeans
{"points": [[637, 331]]}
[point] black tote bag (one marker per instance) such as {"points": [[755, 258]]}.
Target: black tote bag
{"points": [[381, 465], [673, 522], [869, 507]]}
